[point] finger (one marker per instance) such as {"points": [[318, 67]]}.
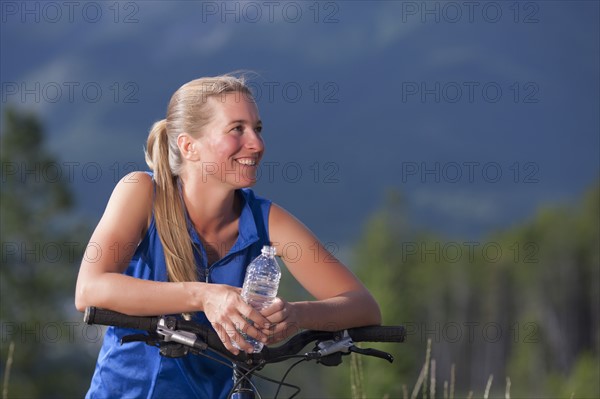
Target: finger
{"points": [[278, 317], [236, 337], [282, 314], [257, 319], [284, 323], [276, 306], [227, 336], [282, 331], [285, 328], [231, 335], [246, 327]]}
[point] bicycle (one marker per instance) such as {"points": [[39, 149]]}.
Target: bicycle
{"points": [[177, 337]]}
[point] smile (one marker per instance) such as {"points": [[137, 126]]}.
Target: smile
{"points": [[246, 161]]}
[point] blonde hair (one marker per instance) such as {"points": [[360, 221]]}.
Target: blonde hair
{"points": [[188, 112]]}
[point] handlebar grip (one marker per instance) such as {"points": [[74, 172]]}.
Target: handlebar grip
{"points": [[106, 317], [378, 334]]}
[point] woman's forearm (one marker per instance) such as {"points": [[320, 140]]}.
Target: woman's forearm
{"points": [[353, 309], [134, 296]]}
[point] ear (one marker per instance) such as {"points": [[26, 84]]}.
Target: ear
{"points": [[188, 146]]}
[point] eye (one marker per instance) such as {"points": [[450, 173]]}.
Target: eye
{"points": [[258, 129], [238, 128]]}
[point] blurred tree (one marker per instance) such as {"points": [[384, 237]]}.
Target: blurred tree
{"points": [[560, 296], [522, 303], [40, 249]]}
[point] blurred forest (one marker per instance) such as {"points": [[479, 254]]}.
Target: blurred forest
{"points": [[523, 303], [42, 246]]}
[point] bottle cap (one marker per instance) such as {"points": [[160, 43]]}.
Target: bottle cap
{"points": [[269, 250]]}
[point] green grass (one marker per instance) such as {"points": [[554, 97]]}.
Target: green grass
{"points": [[426, 383], [9, 361]]}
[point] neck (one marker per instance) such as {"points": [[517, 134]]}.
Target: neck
{"points": [[210, 207]]}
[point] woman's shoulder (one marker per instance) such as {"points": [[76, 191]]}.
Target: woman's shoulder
{"points": [[139, 181], [135, 186], [129, 208]]}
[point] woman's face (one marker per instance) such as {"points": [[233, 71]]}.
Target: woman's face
{"points": [[230, 145]]}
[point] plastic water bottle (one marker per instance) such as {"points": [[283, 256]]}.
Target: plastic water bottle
{"points": [[260, 285]]}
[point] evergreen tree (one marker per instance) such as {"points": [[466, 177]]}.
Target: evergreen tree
{"points": [[41, 251], [522, 303]]}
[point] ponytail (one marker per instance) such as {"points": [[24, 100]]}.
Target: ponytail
{"points": [[188, 112], [169, 213]]}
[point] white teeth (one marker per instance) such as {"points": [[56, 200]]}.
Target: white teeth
{"points": [[246, 161]]}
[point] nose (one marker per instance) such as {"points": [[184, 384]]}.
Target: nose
{"points": [[254, 141]]}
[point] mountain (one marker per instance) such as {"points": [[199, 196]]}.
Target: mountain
{"points": [[475, 114]]}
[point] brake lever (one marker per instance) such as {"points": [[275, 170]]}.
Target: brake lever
{"points": [[372, 352], [168, 334], [343, 345]]}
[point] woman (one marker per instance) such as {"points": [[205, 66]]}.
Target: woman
{"points": [[178, 240]]}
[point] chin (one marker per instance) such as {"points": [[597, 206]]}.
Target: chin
{"points": [[245, 183]]}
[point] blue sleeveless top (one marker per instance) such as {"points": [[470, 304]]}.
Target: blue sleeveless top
{"points": [[136, 370]]}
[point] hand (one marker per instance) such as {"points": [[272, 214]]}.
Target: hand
{"points": [[283, 318], [228, 313]]}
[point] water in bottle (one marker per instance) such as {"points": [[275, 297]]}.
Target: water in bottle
{"points": [[260, 285]]}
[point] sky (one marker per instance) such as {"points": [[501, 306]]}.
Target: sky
{"points": [[477, 113]]}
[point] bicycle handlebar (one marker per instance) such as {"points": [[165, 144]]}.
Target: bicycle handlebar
{"points": [[294, 345], [106, 317]]}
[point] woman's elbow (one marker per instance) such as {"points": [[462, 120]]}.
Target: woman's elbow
{"points": [[80, 307], [80, 300], [375, 314], [83, 297], [371, 313]]}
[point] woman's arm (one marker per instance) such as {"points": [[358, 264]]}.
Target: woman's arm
{"points": [[342, 301], [113, 243], [101, 281]]}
